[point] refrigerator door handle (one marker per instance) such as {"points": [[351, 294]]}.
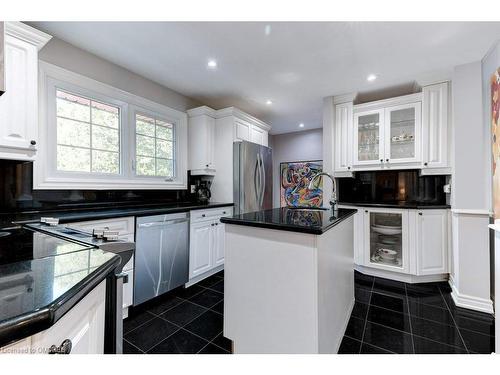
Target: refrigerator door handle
{"points": [[256, 179], [263, 181]]}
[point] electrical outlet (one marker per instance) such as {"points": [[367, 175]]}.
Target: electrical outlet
{"points": [[193, 189], [447, 188]]}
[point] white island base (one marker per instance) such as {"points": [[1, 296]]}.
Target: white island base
{"points": [[288, 292]]}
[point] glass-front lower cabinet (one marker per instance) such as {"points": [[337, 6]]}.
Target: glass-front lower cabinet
{"points": [[386, 239]]}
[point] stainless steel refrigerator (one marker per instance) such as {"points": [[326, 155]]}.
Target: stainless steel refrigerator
{"points": [[253, 177]]}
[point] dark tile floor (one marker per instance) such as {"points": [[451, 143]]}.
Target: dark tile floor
{"points": [[388, 317], [393, 317], [181, 321]]}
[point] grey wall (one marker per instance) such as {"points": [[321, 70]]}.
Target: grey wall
{"points": [[298, 146], [67, 56], [471, 167]]}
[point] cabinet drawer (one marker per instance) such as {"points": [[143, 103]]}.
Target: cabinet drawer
{"points": [[214, 213], [123, 225]]}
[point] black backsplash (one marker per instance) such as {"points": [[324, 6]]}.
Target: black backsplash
{"points": [[392, 187], [17, 194]]}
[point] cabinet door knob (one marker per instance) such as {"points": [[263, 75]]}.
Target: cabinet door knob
{"points": [[348, 167], [33, 142], [420, 213], [64, 348], [381, 160], [207, 165], [425, 164], [387, 160], [366, 211], [203, 215]]}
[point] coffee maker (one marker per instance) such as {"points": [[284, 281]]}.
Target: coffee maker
{"points": [[202, 191]]}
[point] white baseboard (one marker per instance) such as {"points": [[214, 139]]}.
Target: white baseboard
{"points": [[204, 276], [470, 302], [410, 279]]}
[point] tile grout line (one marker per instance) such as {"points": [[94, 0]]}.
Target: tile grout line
{"points": [[366, 316], [128, 342], [453, 318], [409, 318]]}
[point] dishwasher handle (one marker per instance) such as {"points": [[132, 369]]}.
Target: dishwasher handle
{"points": [[162, 223]]}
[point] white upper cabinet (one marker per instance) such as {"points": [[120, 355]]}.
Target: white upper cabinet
{"points": [[368, 137], [435, 130], [201, 141], [19, 103], [403, 129], [343, 137], [387, 133], [244, 126]]}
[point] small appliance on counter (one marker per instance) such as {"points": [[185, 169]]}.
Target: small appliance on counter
{"points": [[202, 191]]}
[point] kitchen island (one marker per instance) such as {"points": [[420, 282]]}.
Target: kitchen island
{"points": [[289, 283]]}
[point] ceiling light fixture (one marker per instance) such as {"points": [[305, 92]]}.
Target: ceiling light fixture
{"points": [[269, 102], [301, 125], [212, 64], [371, 77]]}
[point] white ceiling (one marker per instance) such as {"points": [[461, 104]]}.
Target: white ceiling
{"points": [[295, 66]]}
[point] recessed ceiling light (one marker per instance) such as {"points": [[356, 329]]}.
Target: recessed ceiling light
{"points": [[371, 77], [301, 125], [212, 64], [269, 102], [267, 29]]}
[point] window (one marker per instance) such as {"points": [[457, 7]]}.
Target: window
{"points": [[88, 135], [155, 147], [95, 136]]}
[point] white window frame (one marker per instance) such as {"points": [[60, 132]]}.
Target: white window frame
{"points": [[134, 110], [45, 173]]}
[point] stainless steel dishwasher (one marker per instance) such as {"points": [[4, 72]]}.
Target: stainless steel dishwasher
{"points": [[161, 255]]}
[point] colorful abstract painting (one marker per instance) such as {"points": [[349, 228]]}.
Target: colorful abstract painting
{"points": [[294, 183], [495, 132]]}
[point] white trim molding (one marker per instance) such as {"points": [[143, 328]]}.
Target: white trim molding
{"points": [[233, 111], [470, 272], [27, 33], [470, 302], [45, 175]]}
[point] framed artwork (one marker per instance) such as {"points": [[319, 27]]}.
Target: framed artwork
{"points": [[495, 139], [294, 182]]}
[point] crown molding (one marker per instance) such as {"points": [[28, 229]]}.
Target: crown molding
{"points": [[200, 111], [27, 33], [233, 111]]}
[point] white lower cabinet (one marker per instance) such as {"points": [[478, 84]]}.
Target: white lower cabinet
{"points": [[431, 241], [83, 325], [402, 241], [207, 242]]}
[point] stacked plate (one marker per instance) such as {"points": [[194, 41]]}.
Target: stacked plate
{"points": [[387, 229]]}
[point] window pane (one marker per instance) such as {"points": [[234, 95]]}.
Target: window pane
{"points": [[145, 145], [145, 166], [105, 162], [165, 132], [73, 133], [73, 107], [103, 114], [164, 167], [105, 138], [145, 125], [73, 159], [164, 149]]}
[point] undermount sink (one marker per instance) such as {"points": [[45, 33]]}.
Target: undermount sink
{"points": [[305, 208]]}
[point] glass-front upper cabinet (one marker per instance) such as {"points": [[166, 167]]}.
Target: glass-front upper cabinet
{"points": [[386, 233], [368, 137], [402, 142]]}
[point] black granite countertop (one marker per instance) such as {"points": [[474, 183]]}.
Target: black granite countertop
{"points": [[407, 205], [96, 213], [36, 293], [303, 220]]}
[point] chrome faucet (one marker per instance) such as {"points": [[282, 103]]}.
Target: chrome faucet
{"points": [[333, 199]]}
